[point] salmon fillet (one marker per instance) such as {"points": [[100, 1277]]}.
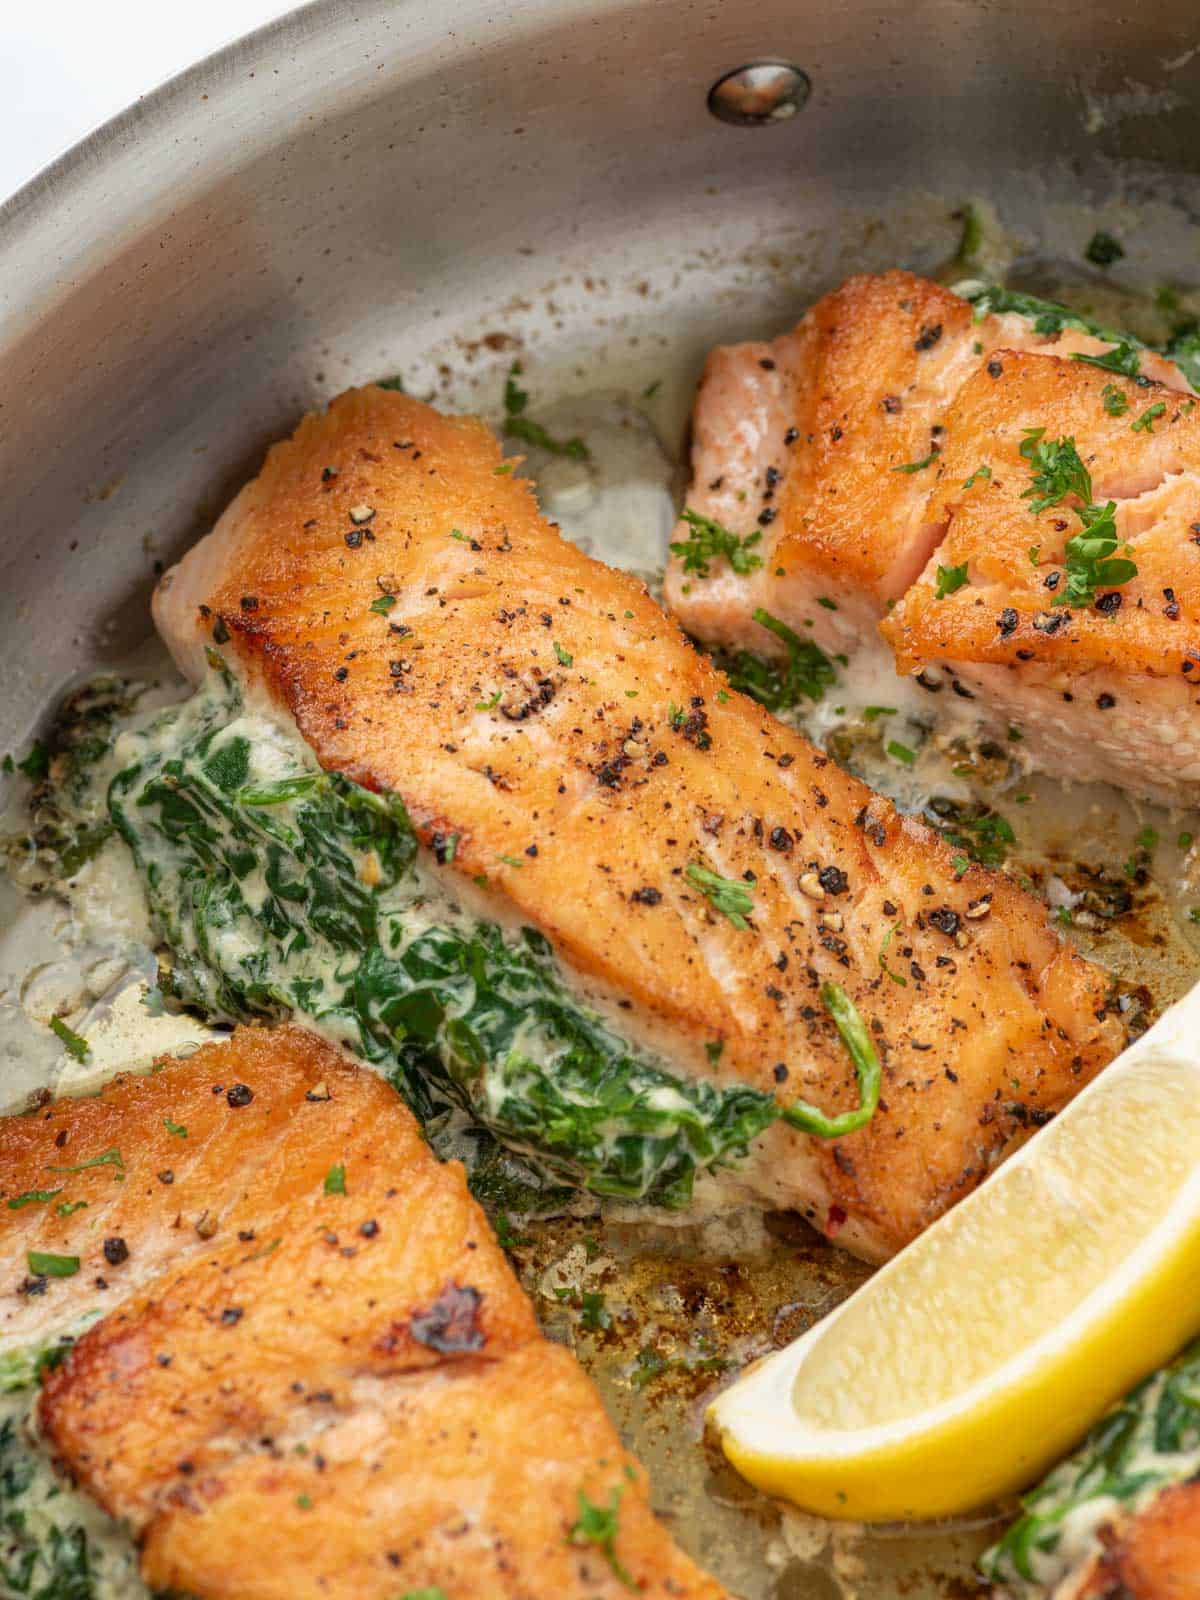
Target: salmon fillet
{"points": [[829, 448], [1107, 689], [316, 1374], [1154, 1555], [539, 709]]}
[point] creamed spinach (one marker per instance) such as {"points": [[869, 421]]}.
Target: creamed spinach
{"points": [[1148, 1442], [55, 1543], [282, 890]]}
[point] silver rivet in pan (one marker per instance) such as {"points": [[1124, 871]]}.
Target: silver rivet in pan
{"points": [[759, 94]]}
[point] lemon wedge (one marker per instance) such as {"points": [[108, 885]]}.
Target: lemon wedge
{"points": [[982, 1352]]}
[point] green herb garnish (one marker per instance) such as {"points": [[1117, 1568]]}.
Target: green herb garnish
{"points": [[981, 474], [1102, 249], [901, 752], [1089, 555], [110, 1158], [976, 830], [917, 466], [710, 541], [950, 579], [778, 686], [177, 1130], [867, 1070], [564, 657], [43, 1264], [518, 425], [1145, 423], [36, 765], [383, 604], [598, 1525], [74, 1044], [1116, 402], [896, 977], [32, 1197], [732, 897], [335, 1179], [594, 1314]]}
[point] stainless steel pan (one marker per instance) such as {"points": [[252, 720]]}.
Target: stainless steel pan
{"points": [[379, 185]]}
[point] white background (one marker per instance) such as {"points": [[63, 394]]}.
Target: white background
{"points": [[68, 65]]}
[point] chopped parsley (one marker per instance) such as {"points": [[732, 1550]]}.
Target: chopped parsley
{"points": [[1049, 317], [917, 466], [519, 425], [1116, 402], [651, 1364], [335, 1179], [1058, 470], [490, 703], [1090, 561], [710, 541], [74, 1044], [36, 765], [1102, 249], [976, 830], [594, 1315], [824, 600], [732, 897], [896, 977], [43, 1264], [778, 686], [110, 1158], [872, 713], [1145, 423], [395, 383], [981, 474], [901, 752], [68, 1208], [1123, 358], [563, 657], [950, 580], [32, 1197], [383, 604], [177, 1129], [599, 1525]]}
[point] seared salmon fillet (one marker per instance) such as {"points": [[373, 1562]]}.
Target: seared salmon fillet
{"points": [[1107, 687], [821, 448], [316, 1374], [1155, 1555], [847, 451], [702, 874]]}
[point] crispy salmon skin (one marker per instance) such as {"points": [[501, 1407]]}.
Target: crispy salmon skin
{"points": [[316, 1374], [541, 708]]}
